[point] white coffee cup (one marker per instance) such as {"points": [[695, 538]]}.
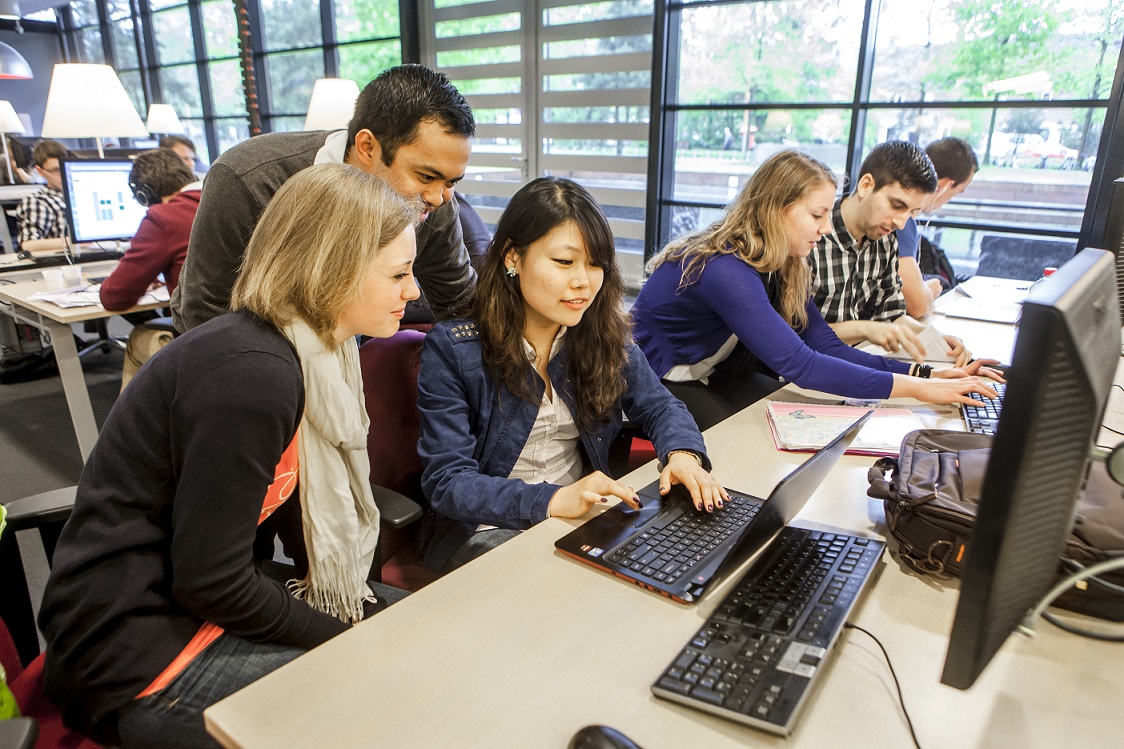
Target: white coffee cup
{"points": [[72, 275], [54, 278]]}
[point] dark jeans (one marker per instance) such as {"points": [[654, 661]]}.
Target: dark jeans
{"points": [[478, 544], [711, 404], [173, 717]]}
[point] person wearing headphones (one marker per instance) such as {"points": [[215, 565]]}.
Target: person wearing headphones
{"points": [[162, 182]]}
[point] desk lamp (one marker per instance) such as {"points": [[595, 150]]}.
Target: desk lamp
{"points": [[9, 123], [88, 101], [332, 104], [162, 120]]}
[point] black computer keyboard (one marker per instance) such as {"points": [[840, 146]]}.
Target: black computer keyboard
{"points": [[984, 418], [755, 659], [672, 550]]}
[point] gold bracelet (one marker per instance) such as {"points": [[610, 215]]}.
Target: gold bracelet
{"points": [[692, 453]]}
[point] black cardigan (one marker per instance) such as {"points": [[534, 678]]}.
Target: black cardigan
{"points": [[163, 526]]}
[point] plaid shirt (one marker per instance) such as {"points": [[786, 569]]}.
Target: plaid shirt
{"points": [[42, 216], [856, 282]]}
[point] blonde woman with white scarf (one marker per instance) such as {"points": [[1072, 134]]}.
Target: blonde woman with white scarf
{"points": [[154, 609]]}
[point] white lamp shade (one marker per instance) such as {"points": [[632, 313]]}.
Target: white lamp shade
{"points": [[88, 101], [332, 104], [162, 119], [9, 121]]}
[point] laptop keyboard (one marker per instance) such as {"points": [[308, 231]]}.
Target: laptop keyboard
{"points": [[984, 418], [755, 659], [672, 547]]}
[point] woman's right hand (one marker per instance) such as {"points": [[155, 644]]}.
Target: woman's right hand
{"points": [[574, 500], [940, 390]]}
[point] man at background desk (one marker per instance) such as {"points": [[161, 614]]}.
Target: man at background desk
{"points": [[42, 217], [411, 128], [161, 180]]}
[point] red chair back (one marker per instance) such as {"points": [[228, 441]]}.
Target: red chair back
{"points": [[27, 687], [390, 388]]}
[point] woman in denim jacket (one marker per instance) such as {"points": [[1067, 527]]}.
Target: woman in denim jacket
{"points": [[520, 401]]}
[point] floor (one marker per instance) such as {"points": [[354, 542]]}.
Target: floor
{"points": [[38, 449]]}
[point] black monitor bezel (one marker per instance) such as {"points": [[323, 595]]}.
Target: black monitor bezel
{"points": [[1026, 507], [72, 228]]}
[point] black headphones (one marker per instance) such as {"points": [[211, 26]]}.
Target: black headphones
{"points": [[145, 194]]}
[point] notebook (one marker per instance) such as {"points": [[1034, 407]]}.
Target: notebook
{"points": [[655, 546], [810, 426]]}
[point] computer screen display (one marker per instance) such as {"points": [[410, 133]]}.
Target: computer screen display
{"points": [[99, 204], [1062, 370]]}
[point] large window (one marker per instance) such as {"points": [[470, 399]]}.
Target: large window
{"points": [[1026, 84], [185, 53], [558, 87]]}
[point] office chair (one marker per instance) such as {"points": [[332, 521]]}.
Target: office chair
{"points": [[46, 512], [19, 640], [42, 722], [390, 388]]}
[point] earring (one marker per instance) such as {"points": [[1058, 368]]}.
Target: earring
{"points": [[510, 272]]}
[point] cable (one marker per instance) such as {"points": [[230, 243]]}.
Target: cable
{"points": [[1073, 629], [901, 699], [1027, 626]]}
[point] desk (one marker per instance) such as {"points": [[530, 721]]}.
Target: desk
{"points": [[523, 646], [55, 322]]}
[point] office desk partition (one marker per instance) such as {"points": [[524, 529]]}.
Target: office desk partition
{"points": [[523, 646], [55, 322]]}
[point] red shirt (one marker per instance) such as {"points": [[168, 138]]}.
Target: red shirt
{"points": [[160, 246]]}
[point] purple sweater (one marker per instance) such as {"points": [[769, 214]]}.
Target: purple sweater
{"points": [[676, 327]]}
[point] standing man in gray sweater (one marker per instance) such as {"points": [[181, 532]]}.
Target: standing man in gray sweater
{"points": [[411, 128]]}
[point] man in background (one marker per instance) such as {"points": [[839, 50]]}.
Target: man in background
{"points": [[855, 280], [41, 217], [956, 165], [161, 181], [411, 128], [184, 148]]}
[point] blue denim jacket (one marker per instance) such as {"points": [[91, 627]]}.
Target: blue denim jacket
{"points": [[472, 431]]}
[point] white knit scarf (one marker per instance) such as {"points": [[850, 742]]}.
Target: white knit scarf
{"points": [[341, 521]]}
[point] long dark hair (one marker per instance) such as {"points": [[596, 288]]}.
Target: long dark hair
{"points": [[596, 345]]}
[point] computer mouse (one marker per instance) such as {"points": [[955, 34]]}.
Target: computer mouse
{"points": [[601, 737]]}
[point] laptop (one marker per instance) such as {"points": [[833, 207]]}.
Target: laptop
{"points": [[670, 547]]}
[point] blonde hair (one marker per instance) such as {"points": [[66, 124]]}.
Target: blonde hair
{"points": [[314, 243], [753, 230]]}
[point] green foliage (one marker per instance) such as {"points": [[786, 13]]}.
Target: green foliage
{"points": [[998, 40]]}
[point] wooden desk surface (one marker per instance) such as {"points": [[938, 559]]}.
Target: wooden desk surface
{"points": [[20, 294], [524, 646]]}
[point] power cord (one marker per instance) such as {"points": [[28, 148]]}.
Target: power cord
{"points": [[897, 684], [1085, 573]]}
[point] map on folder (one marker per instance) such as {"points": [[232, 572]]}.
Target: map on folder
{"points": [[810, 426]]}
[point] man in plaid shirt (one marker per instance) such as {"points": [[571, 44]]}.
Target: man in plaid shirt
{"points": [[855, 279], [42, 216]]}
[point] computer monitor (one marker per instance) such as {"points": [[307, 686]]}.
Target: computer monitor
{"points": [[99, 204], [1061, 373]]}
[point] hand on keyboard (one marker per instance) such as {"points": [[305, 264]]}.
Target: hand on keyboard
{"points": [[574, 500], [684, 469]]}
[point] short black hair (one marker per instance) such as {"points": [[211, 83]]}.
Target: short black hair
{"points": [[902, 162], [162, 170], [401, 98], [953, 159], [168, 141]]}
